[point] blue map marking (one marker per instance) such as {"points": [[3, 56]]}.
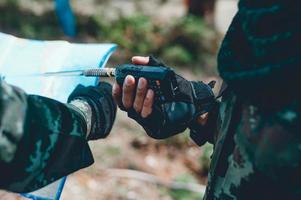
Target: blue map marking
{"points": [[66, 17], [22, 57]]}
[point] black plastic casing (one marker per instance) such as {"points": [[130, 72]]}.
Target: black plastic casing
{"points": [[162, 80]]}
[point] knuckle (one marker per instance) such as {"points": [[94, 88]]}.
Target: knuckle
{"points": [[115, 94], [126, 105], [137, 107], [138, 104], [147, 102], [116, 90], [140, 93], [148, 112], [127, 102], [126, 88]]}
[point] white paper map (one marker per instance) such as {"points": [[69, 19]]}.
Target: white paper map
{"points": [[20, 57]]}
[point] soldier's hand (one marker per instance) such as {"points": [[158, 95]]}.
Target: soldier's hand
{"points": [[139, 97], [162, 120]]}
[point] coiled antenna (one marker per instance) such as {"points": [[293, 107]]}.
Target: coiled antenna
{"points": [[104, 72]]}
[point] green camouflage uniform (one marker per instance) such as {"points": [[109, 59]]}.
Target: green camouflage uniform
{"points": [[41, 140], [257, 140]]}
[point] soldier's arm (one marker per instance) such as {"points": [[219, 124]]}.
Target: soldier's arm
{"points": [[42, 140]]}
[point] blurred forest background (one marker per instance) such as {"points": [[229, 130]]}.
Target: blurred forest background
{"points": [[185, 34]]}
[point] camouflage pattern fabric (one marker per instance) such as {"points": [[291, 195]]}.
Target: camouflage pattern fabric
{"points": [[257, 137], [41, 140], [257, 153]]}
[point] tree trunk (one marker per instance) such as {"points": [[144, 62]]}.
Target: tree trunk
{"points": [[200, 8]]}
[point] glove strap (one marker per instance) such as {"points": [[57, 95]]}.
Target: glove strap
{"points": [[204, 101], [203, 96], [153, 61]]}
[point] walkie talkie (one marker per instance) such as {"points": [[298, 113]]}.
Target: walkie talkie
{"points": [[162, 80]]}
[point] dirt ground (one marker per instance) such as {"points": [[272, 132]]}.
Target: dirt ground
{"points": [[128, 148]]}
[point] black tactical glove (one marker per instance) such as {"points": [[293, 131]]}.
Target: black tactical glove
{"points": [[171, 118], [102, 107]]}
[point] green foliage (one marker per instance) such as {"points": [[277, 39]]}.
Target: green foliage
{"points": [[191, 42], [25, 23], [136, 33], [185, 42], [177, 54], [184, 194], [181, 43]]}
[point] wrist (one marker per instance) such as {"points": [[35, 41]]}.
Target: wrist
{"points": [[203, 128], [85, 110], [202, 119], [98, 107]]}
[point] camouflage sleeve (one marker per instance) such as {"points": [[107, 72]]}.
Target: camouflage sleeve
{"points": [[41, 140], [270, 142]]}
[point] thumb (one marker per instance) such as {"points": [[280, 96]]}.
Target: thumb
{"points": [[140, 60]]}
